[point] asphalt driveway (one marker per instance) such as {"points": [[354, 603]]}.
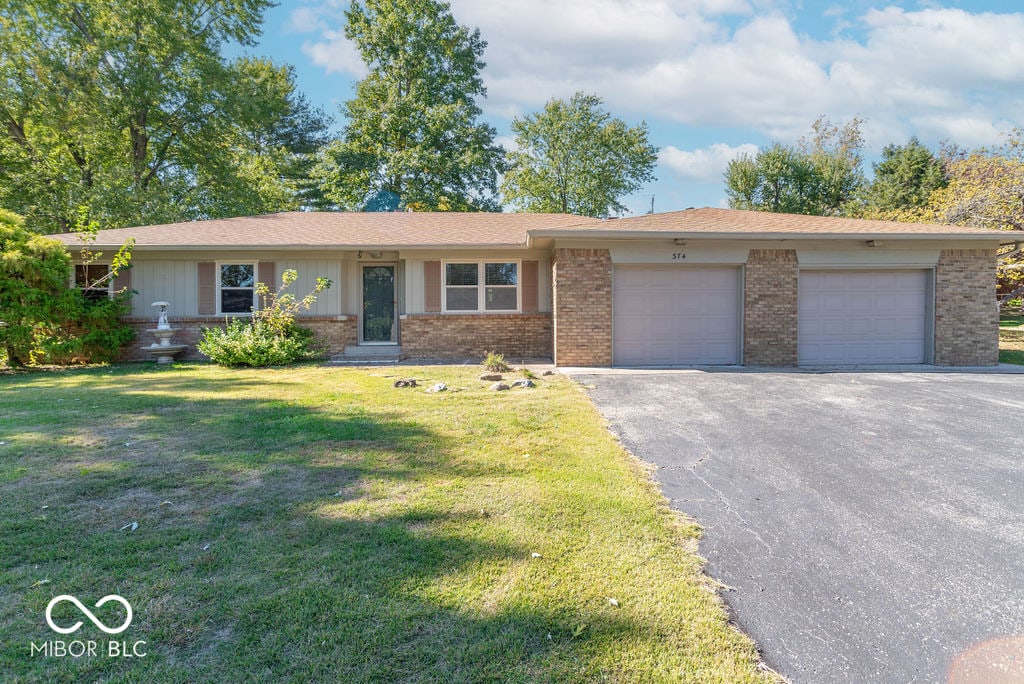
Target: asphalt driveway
{"points": [[869, 526]]}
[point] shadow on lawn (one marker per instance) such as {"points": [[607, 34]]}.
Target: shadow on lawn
{"points": [[247, 563]]}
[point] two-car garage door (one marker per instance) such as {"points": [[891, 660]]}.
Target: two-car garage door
{"points": [[665, 315]]}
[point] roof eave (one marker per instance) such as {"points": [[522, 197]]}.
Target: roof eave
{"points": [[734, 235], [303, 247]]}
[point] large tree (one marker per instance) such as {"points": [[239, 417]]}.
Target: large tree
{"points": [[904, 181], [820, 176], [574, 157], [986, 189], [413, 127], [129, 110]]}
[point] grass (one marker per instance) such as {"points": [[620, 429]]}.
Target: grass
{"points": [[1011, 337], [316, 524]]}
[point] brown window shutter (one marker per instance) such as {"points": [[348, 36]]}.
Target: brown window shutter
{"points": [[123, 280], [431, 285], [266, 274], [207, 287], [529, 283]]}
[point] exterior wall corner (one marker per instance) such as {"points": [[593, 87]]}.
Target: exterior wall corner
{"points": [[966, 316]]}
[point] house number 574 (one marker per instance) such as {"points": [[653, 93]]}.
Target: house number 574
{"points": [[678, 256]]}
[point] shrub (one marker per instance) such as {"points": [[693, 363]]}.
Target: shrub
{"points": [[248, 343], [83, 330], [271, 337], [495, 363], [44, 320]]}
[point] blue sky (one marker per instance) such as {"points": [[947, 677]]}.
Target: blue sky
{"points": [[716, 78]]}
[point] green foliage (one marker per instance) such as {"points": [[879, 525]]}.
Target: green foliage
{"points": [[904, 179], [42, 318], [270, 337], [574, 157], [83, 331], [412, 128], [33, 276], [129, 110], [247, 343], [495, 362], [820, 176]]}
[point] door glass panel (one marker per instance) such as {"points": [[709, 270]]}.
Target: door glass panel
{"points": [[378, 303]]}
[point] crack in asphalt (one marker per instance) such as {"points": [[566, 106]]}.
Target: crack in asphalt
{"points": [[721, 495]]}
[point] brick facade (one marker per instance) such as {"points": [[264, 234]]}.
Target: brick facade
{"points": [[582, 292], [461, 336], [966, 319], [770, 308], [335, 334]]}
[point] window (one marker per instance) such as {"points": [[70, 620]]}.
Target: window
{"points": [[237, 287], [93, 280], [481, 286]]}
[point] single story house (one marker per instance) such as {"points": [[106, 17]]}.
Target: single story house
{"points": [[693, 287]]}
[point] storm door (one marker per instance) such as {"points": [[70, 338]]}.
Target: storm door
{"points": [[378, 324]]}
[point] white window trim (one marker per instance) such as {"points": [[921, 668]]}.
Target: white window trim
{"points": [[110, 281], [255, 279], [481, 297]]}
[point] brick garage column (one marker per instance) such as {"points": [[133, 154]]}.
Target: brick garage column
{"points": [[966, 319], [769, 308], [582, 292]]}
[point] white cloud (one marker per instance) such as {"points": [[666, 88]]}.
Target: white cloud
{"points": [[335, 54], [705, 165], [933, 72], [304, 20]]}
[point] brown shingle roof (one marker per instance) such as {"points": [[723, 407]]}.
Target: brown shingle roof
{"points": [[353, 230], [709, 222], [340, 229]]}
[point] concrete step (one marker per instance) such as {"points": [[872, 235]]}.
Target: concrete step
{"points": [[361, 355], [371, 350]]}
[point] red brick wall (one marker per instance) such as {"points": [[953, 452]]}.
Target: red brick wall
{"points": [[966, 319], [334, 333], [769, 308], [582, 292], [460, 336]]}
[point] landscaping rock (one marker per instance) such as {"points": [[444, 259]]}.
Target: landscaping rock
{"points": [[524, 382], [439, 387], [491, 377], [499, 387], [548, 372], [408, 382]]}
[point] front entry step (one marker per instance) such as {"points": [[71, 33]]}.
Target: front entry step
{"points": [[368, 354]]}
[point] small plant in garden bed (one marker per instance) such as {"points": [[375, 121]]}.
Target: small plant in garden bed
{"points": [[271, 337], [496, 363]]}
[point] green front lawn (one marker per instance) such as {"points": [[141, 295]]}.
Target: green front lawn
{"points": [[1011, 338], [316, 524]]}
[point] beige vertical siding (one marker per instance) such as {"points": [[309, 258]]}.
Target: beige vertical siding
{"points": [[328, 302], [170, 281]]}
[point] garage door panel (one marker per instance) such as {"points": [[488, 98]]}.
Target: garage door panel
{"points": [[863, 317], [675, 315]]}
